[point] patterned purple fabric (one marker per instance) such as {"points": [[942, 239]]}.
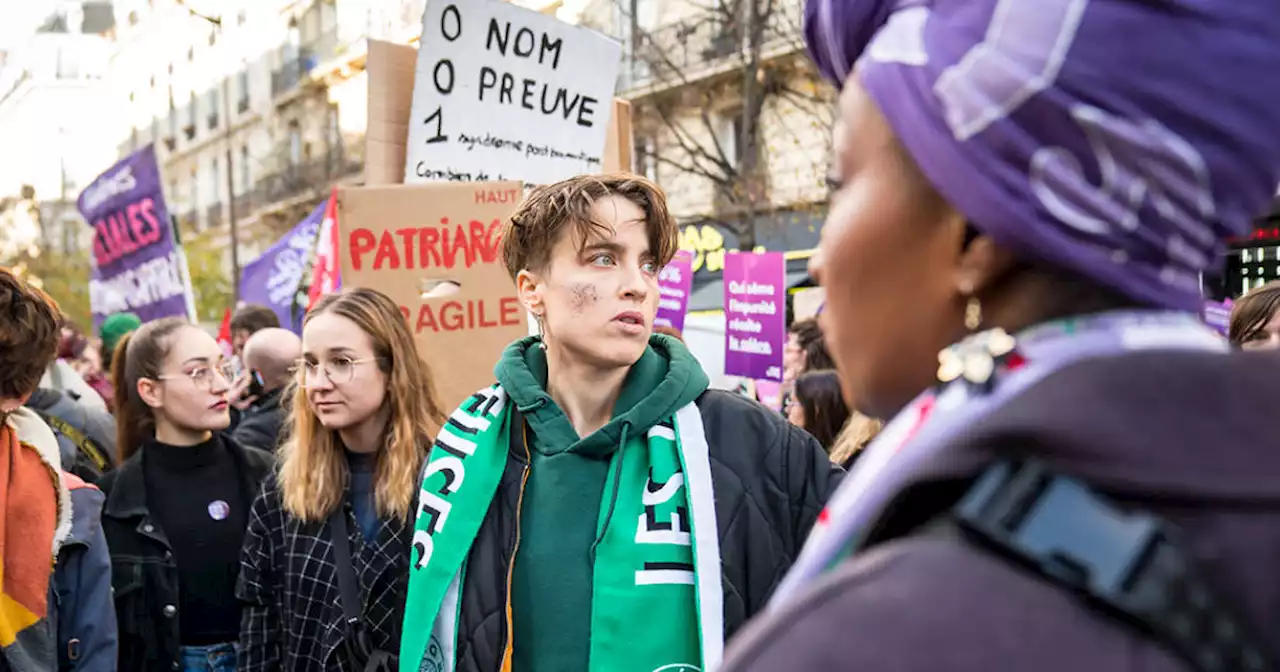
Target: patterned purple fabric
{"points": [[1121, 139]]}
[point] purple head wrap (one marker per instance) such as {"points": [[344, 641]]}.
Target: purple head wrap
{"points": [[1120, 139]]}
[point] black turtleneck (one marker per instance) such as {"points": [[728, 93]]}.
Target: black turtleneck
{"points": [[196, 495]]}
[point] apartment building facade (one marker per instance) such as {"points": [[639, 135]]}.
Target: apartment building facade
{"points": [[54, 100], [264, 101]]}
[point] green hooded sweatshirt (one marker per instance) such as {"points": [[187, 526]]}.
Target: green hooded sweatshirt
{"points": [[560, 511]]}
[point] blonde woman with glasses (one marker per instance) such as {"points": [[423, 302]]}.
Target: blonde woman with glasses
{"points": [[177, 507], [325, 564]]}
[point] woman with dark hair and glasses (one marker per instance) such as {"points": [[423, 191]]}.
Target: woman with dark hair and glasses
{"points": [[818, 406], [178, 505], [1255, 319]]}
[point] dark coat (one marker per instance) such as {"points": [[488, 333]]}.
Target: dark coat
{"points": [[770, 480], [1190, 437], [144, 573], [259, 425], [82, 422]]}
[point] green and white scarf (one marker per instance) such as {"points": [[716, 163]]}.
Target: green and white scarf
{"points": [[656, 595]]}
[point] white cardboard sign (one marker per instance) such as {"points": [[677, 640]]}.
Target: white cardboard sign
{"points": [[506, 93]]}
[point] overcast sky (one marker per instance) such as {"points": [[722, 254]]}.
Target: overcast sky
{"points": [[19, 17]]}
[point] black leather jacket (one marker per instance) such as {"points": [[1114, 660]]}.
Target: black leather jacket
{"points": [[144, 576]]}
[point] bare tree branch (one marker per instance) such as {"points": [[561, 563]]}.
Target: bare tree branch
{"points": [[730, 59]]}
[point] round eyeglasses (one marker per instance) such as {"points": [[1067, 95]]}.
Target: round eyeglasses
{"points": [[202, 376], [337, 370]]}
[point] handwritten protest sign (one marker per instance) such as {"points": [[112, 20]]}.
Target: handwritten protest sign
{"points": [[674, 283], [137, 266], [755, 313], [503, 92], [272, 279], [434, 249]]}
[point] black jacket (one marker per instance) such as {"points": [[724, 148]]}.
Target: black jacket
{"points": [[144, 576], [259, 425], [770, 479]]}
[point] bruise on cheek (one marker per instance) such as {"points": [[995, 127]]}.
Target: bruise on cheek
{"points": [[584, 294]]}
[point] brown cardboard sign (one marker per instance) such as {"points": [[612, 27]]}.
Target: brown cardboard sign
{"points": [[618, 142], [390, 70], [434, 249]]}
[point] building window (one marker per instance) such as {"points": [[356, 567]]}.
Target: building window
{"points": [[727, 129], [244, 168], [647, 158], [133, 18], [240, 18], [214, 107], [242, 88], [295, 143], [213, 181]]}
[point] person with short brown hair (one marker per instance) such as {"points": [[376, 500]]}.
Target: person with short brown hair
{"points": [[248, 320], [1255, 319], [35, 505], [636, 489]]}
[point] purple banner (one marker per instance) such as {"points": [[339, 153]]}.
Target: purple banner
{"points": [[272, 279], [1218, 315], [674, 284], [755, 313], [137, 266]]}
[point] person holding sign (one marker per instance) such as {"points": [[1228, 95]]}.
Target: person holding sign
{"points": [[1078, 474], [325, 559], [599, 508]]}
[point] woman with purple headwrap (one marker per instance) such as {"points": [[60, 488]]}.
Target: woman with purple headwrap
{"points": [[1079, 475]]}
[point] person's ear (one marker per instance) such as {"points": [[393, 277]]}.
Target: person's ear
{"points": [[981, 263], [149, 392], [529, 286]]}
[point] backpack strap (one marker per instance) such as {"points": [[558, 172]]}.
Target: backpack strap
{"points": [[84, 444], [1128, 563]]}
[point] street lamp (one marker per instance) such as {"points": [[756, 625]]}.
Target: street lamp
{"points": [[216, 22]]}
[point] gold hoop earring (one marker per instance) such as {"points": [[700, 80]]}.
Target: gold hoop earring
{"points": [[973, 314]]}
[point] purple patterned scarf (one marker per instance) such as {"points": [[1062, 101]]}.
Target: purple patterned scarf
{"points": [[1120, 139]]}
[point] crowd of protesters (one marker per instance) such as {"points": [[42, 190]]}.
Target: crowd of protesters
{"points": [[1052, 463]]}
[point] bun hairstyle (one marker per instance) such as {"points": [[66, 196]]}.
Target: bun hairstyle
{"points": [[139, 354]]}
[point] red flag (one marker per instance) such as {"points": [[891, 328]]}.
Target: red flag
{"points": [[224, 334], [326, 274]]}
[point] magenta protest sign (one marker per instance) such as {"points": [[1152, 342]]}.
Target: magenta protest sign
{"points": [[137, 266], [674, 284], [755, 310]]}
